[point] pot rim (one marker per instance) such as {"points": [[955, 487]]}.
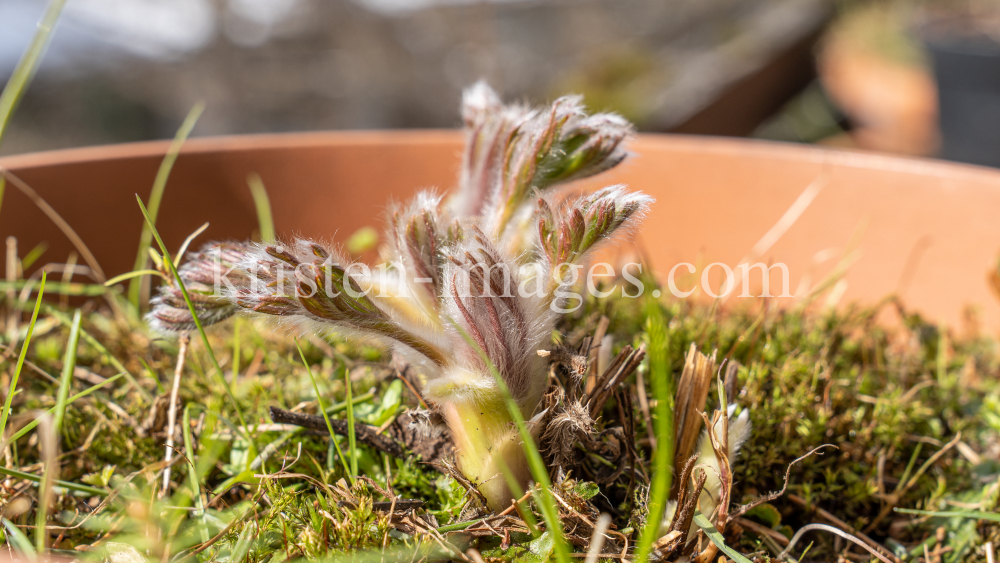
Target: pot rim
{"points": [[772, 150]]}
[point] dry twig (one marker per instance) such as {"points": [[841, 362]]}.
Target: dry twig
{"points": [[54, 216], [832, 530], [772, 496], [364, 433], [847, 527], [172, 412]]}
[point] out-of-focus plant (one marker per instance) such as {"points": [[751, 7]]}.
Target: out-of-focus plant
{"points": [[472, 284]]}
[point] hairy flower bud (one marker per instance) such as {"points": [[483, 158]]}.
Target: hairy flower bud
{"points": [[449, 297], [203, 273], [575, 227], [513, 150]]}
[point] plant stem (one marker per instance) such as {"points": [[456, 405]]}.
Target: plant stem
{"points": [[326, 417], [20, 361], [535, 463]]}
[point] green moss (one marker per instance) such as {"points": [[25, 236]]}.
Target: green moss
{"points": [[886, 395]]}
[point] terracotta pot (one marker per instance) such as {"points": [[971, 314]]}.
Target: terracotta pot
{"points": [[931, 226]]}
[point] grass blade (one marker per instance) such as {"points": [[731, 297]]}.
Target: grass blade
{"points": [[193, 478], [236, 349], [69, 365], [527, 515], [20, 360], [975, 514], [35, 253], [17, 539], [189, 450], [133, 274], [326, 417], [48, 444], [149, 372], [58, 288], [194, 315], [716, 537], [263, 205], [187, 242], [95, 269], [26, 67], [156, 196], [351, 443], [662, 381], [541, 475], [77, 487]]}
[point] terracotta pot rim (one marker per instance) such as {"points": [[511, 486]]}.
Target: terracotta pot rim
{"points": [[820, 155], [223, 143], [927, 223], [771, 150]]}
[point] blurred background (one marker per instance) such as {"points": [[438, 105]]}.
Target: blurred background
{"points": [[919, 78]]}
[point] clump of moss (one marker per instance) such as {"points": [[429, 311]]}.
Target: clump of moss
{"points": [[892, 396], [890, 391]]}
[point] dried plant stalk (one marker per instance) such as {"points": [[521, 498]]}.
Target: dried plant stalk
{"points": [[692, 392]]}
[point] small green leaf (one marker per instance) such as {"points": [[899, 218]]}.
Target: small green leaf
{"points": [[587, 490], [391, 401], [117, 552], [243, 477], [245, 542], [766, 514], [239, 456], [542, 546], [101, 478], [539, 550]]}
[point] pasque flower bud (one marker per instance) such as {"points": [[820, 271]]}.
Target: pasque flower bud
{"points": [[448, 299]]}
